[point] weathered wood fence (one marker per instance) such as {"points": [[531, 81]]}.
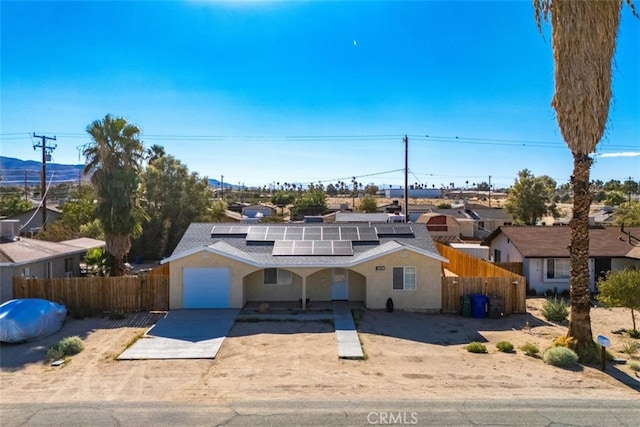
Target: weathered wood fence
{"points": [[476, 276], [126, 293]]}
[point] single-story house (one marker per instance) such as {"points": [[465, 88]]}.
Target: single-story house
{"points": [[544, 252], [222, 265], [258, 211], [24, 257], [31, 220]]}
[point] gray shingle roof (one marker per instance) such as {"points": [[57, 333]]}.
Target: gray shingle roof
{"points": [[198, 235]]}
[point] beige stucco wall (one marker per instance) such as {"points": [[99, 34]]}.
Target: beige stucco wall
{"points": [[204, 259], [428, 293], [366, 283], [256, 290]]}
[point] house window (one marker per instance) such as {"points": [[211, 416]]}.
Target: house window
{"points": [[404, 278], [557, 268], [68, 265], [277, 276]]}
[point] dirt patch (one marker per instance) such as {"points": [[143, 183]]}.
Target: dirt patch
{"points": [[409, 356]]}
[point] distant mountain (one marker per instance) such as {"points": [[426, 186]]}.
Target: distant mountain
{"points": [[13, 172]]}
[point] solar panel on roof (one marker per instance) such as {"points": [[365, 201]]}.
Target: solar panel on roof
{"points": [[275, 233], [394, 230], [229, 230], [323, 247], [367, 234], [282, 247], [257, 234], [293, 233], [342, 247], [312, 247]]}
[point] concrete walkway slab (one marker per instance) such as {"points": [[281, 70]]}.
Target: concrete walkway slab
{"points": [[346, 334], [184, 334]]}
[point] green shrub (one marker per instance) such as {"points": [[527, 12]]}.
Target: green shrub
{"points": [[54, 353], [530, 349], [505, 347], [562, 357], [630, 348], [117, 315], [83, 312], [634, 333], [555, 310], [65, 347], [476, 347], [635, 366]]}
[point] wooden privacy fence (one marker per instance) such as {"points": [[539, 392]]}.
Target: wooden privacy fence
{"points": [[125, 293], [512, 291], [466, 265], [514, 267], [476, 276]]}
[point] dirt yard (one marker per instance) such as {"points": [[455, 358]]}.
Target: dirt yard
{"points": [[409, 356]]}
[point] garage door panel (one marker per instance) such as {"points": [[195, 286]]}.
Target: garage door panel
{"points": [[205, 288]]}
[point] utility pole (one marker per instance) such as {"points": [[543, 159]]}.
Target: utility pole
{"points": [[46, 152], [406, 179], [489, 190], [629, 184], [222, 187]]}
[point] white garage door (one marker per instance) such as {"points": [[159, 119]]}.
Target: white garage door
{"points": [[205, 288]]}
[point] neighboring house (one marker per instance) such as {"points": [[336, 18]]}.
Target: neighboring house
{"points": [[31, 220], [545, 255], [472, 221], [23, 257], [357, 217], [258, 211], [221, 265]]}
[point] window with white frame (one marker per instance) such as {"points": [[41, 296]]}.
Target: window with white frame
{"points": [[557, 269], [404, 278], [277, 276]]}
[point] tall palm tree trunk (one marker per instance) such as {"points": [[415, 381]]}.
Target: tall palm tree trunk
{"points": [[580, 320]]}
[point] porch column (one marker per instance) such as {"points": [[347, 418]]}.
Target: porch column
{"points": [[304, 292]]}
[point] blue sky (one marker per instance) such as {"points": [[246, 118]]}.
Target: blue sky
{"points": [[264, 92]]}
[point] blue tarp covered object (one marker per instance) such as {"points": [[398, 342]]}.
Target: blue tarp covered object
{"points": [[30, 319]]}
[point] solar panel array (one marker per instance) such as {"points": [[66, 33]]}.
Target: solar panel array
{"points": [[311, 240], [229, 230], [274, 234], [394, 230], [312, 247]]}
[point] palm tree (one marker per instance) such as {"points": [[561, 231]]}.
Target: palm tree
{"points": [[583, 37], [154, 152], [114, 160]]}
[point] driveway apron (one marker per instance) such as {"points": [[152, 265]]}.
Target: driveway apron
{"points": [[184, 334]]}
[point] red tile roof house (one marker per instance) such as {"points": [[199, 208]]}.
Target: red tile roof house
{"points": [[544, 252]]}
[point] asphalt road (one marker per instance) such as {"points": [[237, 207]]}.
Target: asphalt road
{"points": [[516, 412]]}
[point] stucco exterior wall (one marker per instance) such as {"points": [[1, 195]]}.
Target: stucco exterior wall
{"points": [[508, 252], [428, 293], [204, 259], [257, 290], [371, 282]]}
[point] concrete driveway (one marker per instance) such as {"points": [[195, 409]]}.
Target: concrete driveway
{"points": [[184, 334]]}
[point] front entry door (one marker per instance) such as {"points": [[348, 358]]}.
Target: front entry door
{"points": [[339, 284]]}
